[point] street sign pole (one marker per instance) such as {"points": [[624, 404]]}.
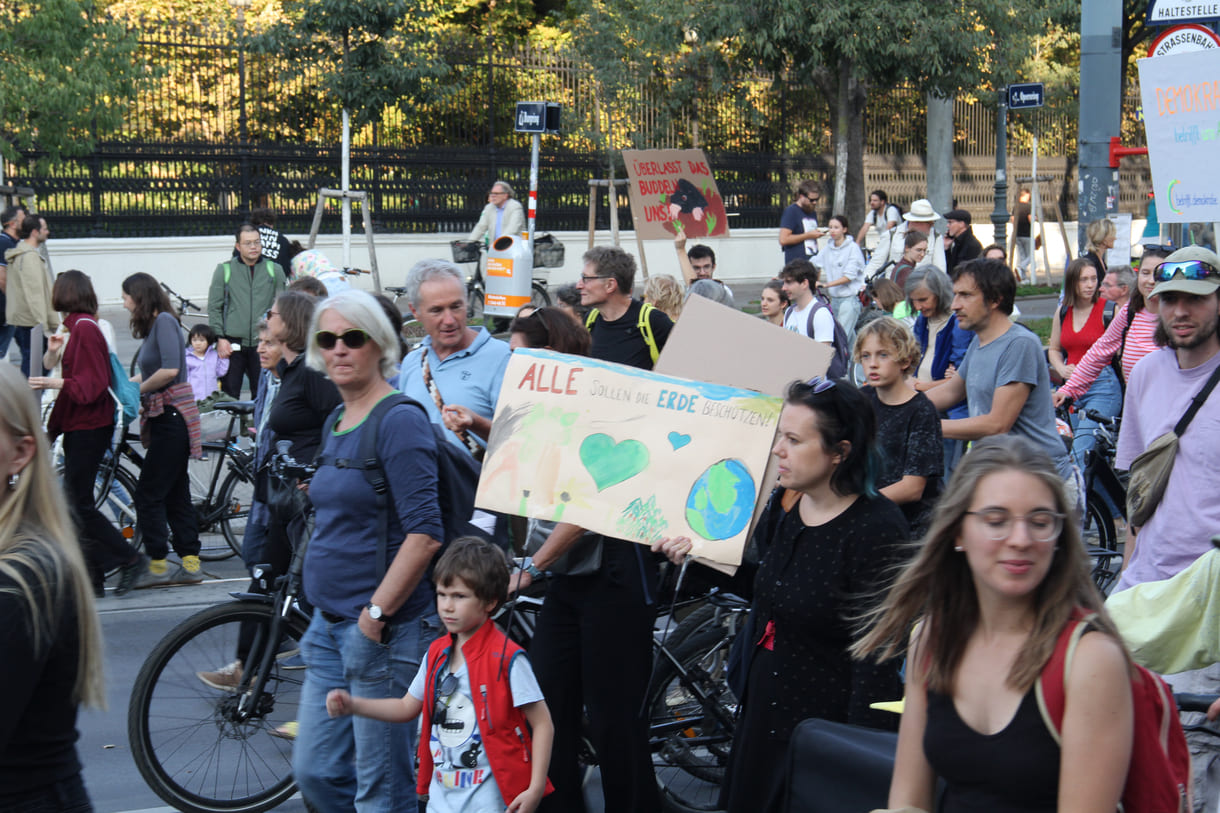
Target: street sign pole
{"points": [[999, 216], [533, 213]]}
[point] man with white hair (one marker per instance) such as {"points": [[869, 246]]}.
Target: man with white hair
{"points": [[922, 218], [502, 215]]}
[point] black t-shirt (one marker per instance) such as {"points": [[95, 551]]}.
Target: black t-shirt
{"points": [[1022, 214], [301, 407], [909, 439], [622, 342]]}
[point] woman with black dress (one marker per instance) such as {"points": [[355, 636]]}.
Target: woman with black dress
{"points": [[825, 544]]}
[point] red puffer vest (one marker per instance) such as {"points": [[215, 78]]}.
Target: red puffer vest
{"points": [[505, 733]]}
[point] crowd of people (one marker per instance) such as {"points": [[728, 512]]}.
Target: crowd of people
{"points": [[929, 513]]}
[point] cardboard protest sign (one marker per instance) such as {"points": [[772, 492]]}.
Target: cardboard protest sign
{"points": [[673, 191], [1181, 96], [628, 453]]}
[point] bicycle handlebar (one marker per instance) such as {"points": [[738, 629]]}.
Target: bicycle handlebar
{"points": [[184, 304], [1195, 702], [1110, 422]]}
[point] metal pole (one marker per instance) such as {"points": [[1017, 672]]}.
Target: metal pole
{"points": [[533, 213], [345, 187], [1100, 110], [242, 121], [999, 216]]}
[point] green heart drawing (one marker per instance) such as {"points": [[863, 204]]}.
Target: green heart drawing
{"points": [[611, 463]]}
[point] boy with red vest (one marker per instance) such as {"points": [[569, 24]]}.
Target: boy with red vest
{"points": [[490, 731]]}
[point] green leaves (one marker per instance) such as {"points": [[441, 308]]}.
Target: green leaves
{"points": [[68, 74]]}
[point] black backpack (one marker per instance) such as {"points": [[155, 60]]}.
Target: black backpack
{"points": [[840, 362], [457, 475]]}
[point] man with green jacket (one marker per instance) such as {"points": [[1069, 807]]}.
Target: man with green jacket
{"points": [[243, 290]]}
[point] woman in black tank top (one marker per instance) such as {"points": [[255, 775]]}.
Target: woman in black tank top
{"points": [[999, 576]]}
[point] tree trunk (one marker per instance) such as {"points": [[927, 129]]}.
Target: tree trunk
{"points": [[842, 128], [856, 194]]}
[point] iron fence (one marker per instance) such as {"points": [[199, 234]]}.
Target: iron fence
{"points": [[222, 128]]}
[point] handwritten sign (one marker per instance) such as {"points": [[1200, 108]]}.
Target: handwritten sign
{"points": [[1181, 96], [673, 191], [628, 453]]}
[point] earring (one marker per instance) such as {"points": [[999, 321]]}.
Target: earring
{"points": [[12, 482], [958, 548]]}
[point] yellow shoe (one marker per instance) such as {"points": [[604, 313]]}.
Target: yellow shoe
{"points": [[288, 731]]}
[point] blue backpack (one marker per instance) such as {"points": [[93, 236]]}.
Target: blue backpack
{"points": [[126, 393]]}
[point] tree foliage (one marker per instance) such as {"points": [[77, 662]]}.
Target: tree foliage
{"points": [[68, 74]]}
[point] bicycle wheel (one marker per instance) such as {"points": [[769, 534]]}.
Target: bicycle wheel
{"points": [[413, 332], [116, 499], [539, 297], [690, 745], [474, 305], [207, 479], [236, 495], [191, 743], [1099, 527]]}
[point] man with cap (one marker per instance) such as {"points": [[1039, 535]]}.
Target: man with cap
{"points": [[960, 242], [1160, 390], [922, 218]]}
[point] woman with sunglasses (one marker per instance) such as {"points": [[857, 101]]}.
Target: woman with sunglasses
{"points": [[999, 577], [826, 544], [371, 623]]}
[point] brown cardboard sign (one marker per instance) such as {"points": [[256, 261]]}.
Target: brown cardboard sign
{"points": [[672, 192], [721, 345]]}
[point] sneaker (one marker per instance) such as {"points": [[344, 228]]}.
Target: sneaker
{"points": [[181, 575], [130, 573], [226, 678], [288, 731], [157, 575]]}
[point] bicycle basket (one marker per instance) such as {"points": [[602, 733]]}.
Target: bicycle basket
{"points": [[465, 251], [548, 252], [214, 426]]}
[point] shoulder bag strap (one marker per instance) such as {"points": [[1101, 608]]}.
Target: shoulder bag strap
{"points": [[1196, 403]]}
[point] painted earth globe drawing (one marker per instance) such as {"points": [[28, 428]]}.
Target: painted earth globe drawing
{"points": [[721, 501]]}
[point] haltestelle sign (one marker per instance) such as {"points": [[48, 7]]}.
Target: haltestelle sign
{"points": [[1182, 39]]}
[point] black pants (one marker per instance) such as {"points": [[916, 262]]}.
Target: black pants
{"points": [[242, 363], [593, 648], [65, 796], [103, 545], [163, 493]]}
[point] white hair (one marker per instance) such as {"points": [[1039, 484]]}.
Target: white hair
{"points": [[361, 310]]}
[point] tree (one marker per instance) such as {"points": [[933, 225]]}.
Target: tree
{"points": [[69, 74], [850, 47]]}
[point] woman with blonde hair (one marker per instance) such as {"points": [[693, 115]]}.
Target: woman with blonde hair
{"points": [[665, 293], [50, 639], [1099, 236], [999, 577]]}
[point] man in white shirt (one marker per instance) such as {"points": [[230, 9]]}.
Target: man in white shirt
{"points": [[502, 214], [808, 315], [882, 215], [921, 218]]}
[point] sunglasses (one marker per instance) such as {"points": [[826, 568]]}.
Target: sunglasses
{"points": [[820, 384], [447, 687], [1189, 269], [354, 338]]}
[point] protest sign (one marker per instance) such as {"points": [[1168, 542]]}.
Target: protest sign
{"points": [[673, 191], [1181, 96], [628, 453]]}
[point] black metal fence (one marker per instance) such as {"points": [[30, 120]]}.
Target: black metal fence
{"points": [[220, 130]]}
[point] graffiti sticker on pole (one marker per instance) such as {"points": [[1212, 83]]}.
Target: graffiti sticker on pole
{"points": [[1181, 97], [672, 192]]}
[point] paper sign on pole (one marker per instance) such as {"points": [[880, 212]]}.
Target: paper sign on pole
{"points": [[673, 191], [628, 453], [1181, 96]]}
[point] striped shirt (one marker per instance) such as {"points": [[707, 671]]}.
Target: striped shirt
{"points": [[1139, 344]]}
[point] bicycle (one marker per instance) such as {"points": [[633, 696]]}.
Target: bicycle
{"points": [[1104, 486], [204, 750], [222, 503]]}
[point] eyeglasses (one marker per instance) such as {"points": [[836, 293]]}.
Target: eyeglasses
{"points": [[1189, 269], [354, 339], [588, 278], [820, 384], [447, 687], [1042, 526]]}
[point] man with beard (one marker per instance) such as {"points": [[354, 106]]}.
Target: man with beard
{"points": [[1160, 390]]}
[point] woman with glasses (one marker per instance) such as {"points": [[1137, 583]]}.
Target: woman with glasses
{"points": [[364, 571], [998, 578], [827, 543]]}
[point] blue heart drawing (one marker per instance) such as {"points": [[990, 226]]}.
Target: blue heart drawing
{"points": [[678, 440]]}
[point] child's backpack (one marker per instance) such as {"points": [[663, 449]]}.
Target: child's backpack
{"points": [[840, 362], [1159, 776], [457, 475]]}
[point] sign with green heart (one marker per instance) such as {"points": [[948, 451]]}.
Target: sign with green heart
{"points": [[611, 463]]}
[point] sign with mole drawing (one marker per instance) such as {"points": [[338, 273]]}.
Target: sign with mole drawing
{"points": [[628, 453]]}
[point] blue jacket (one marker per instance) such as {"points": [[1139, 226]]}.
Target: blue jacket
{"points": [[951, 344]]}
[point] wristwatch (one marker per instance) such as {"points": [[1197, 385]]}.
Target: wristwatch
{"points": [[528, 567], [376, 613]]}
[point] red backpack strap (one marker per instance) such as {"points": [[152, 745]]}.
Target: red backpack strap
{"points": [[1050, 688]]}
